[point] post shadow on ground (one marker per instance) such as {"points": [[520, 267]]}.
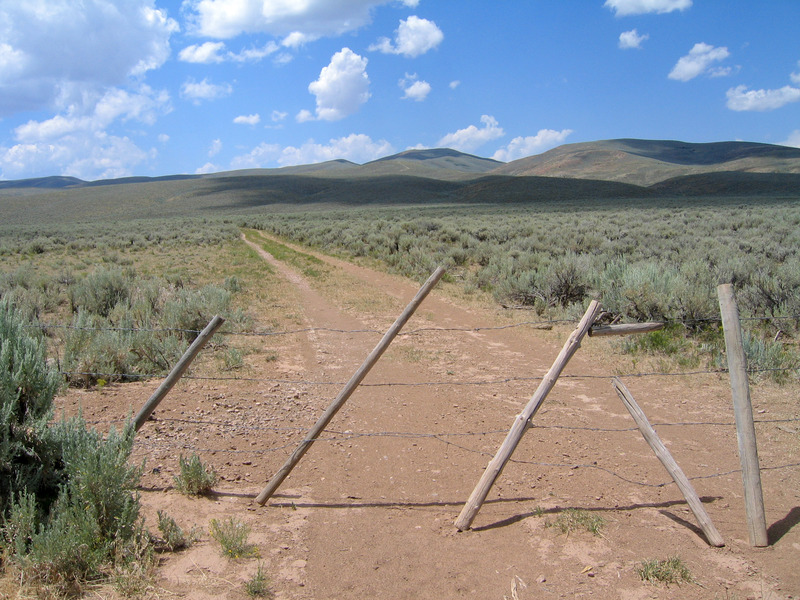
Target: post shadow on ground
{"points": [[558, 509], [780, 528]]}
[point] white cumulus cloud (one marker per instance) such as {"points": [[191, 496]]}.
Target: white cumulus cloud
{"points": [[207, 53], [196, 91], [341, 89], [742, 99], [356, 147], [795, 77], [472, 137], [631, 39], [76, 142], [413, 88], [223, 19], [248, 119], [624, 8], [414, 37], [215, 148], [520, 147], [699, 60], [206, 168], [55, 51], [793, 139]]}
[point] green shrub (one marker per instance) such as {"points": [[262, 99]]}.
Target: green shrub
{"points": [[174, 536], [27, 388], [99, 292], [232, 536], [258, 585], [195, 478]]}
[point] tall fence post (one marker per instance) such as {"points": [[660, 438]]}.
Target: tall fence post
{"points": [[743, 411], [677, 474], [496, 465], [349, 388], [177, 371]]}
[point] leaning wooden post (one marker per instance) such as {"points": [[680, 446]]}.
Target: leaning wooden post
{"points": [[743, 410], [522, 421], [177, 371], [349, 388], [651, 437]]}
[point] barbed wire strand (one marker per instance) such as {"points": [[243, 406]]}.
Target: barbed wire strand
{"points": [[501, 381], [416, 331]]}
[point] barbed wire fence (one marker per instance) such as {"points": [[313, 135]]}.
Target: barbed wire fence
{"points": [[456, 440]]}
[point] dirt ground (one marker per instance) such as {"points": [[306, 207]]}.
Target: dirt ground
{"points": [[369, 512]]}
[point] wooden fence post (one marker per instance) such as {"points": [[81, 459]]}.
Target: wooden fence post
{"points": [[743, 410], [349, 388], [177, 371], [522, 421], [651, 437]]}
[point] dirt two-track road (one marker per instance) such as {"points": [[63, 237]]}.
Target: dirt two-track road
{"points": [[369, 512]]}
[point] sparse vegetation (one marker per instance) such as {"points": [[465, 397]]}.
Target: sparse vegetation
{"points": [[574, 519], [173, 535], [258, 585], [195, 478], [232, 536], [70, 510], [671, 570]]}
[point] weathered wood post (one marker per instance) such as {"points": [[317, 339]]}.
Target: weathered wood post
{"points": [[686, 488], [521, 423], [743, 411], [349, 388], [177, 371]]}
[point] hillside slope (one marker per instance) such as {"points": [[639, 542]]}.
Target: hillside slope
{"points": [[646, 162]]}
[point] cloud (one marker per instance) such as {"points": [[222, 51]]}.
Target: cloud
{"points": [[215, 148], [342, 87], [415, 36], [207, 168], [742, 99], [223, 19], [454, 84], [215, 52], [297, 39], [76, 142], [793, 139], [203, 54], [277, 116], [357, 148], [631, 39], [414, 89], [248, 119], [624, 8], [698, 61], [520, 147], [86, 156], [795, 77], [472, 137], [204, 90], [51, 52]]}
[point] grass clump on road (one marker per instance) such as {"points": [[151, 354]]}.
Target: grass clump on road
{"points": [[671, 570], [574, 519]]}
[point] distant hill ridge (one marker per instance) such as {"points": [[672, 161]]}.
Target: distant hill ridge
{"points": [[644, 163]]}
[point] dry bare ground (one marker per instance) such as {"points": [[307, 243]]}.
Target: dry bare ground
{"points": [[369, 511]]}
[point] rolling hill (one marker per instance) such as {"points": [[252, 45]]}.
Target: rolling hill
{"points": [[610, 169], [646, 162]]}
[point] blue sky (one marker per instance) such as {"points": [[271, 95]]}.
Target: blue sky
{"points": [[110, 88]]}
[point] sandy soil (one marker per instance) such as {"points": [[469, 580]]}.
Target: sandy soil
{"points": [[369, 511]]}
